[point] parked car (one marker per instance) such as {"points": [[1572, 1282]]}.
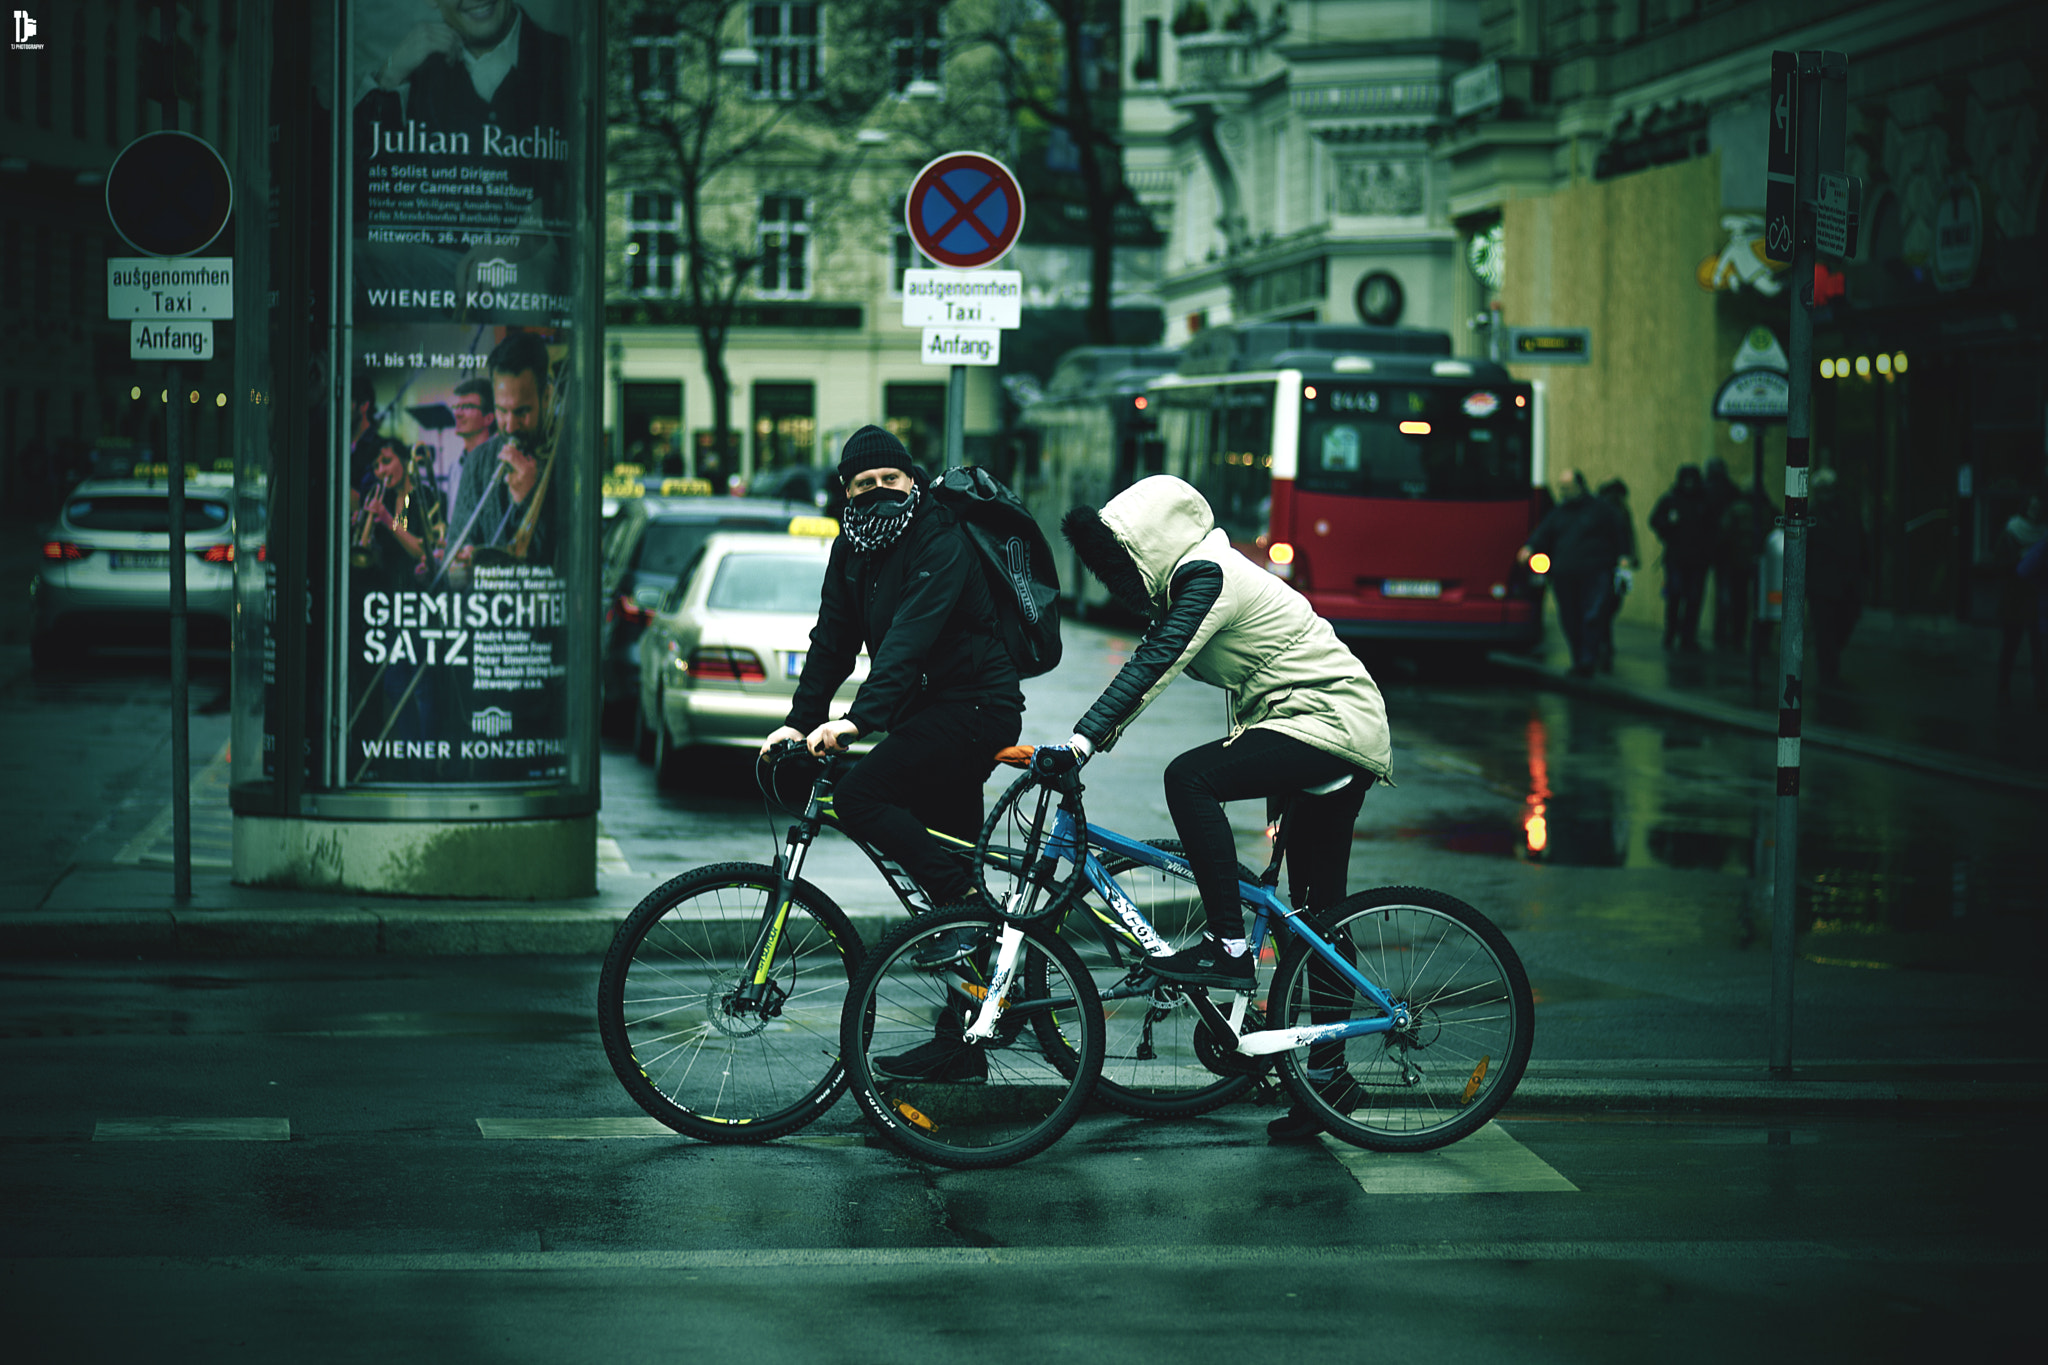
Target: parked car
{"points": [[652, 540], [105, 573], [817, 485], [720, 660]]}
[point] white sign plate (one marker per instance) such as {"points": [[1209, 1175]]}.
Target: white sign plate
{"points": [[170, 340], [171, 287], [962, 345], [963, 298]]}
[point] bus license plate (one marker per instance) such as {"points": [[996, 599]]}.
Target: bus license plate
{"points": [[130, 559], [1412, 587]]}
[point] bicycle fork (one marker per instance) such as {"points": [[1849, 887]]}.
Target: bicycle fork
{"points": [[756, 991]]}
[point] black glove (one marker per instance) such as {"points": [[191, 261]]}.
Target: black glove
{"points": [[1050, 760]]}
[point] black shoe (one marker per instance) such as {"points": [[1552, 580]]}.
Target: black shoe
{"points": [[942, 1059], [1302, 1123], [1205, 964], [944, 949]]}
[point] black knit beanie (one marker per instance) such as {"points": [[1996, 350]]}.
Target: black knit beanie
{"points": [[871, 448]]}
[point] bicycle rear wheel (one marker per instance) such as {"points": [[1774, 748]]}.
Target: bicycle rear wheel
{"points": [[1453, 1067], [937, 1095], [1158, 1058], [686, 1048]]}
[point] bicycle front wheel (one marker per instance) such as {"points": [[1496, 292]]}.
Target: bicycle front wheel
{"points": [[1461, 1056], [1159, 1059], [697, 1041], [943, 1097]]}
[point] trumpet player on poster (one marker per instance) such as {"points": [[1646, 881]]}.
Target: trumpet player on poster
{"points": [[501, 492]]}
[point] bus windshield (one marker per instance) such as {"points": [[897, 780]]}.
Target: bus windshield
{"points": [[1413, 442]]}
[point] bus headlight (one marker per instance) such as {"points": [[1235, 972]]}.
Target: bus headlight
{"points": [[1539, 563], [1280, 560]]}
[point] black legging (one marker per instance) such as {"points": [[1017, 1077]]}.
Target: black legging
{"points": [[928, 771], [1261, 762]]}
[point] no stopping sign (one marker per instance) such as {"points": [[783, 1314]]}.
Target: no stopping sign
{"points": [[964, 210]]}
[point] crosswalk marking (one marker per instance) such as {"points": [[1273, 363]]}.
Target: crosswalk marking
{"points": [[192, 1130], [628, 1126], [1488, 1162]]}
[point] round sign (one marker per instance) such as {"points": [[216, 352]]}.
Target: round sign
{"points": [[1755, 396], [1379, 299], [168, 194], [964, 210]]}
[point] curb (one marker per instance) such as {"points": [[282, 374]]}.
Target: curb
{"points": [[1741, 718]]}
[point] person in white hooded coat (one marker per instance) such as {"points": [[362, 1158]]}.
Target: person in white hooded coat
{"points": [[1304, 713]]}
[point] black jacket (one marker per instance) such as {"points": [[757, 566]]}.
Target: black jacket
{"points": [[1583, 534], [923, 610]]}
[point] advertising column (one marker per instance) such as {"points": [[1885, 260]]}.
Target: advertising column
{"points": [[461, 444]]}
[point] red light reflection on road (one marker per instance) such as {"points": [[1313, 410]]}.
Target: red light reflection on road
{"points": [[1535, 827]]}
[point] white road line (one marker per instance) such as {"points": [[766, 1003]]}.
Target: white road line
{"points": [[1488, 1162], [192, 1130], [611, 859], [574, 1130]]}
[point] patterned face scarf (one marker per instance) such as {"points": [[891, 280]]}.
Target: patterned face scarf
{"points": [[878, 518]]}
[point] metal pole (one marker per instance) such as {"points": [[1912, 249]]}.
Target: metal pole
{"points": [[1792, 637], [181, 714], [1758, 538], [956, 418]]}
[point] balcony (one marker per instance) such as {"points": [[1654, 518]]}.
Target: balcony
{"points": [[1215, 70]]}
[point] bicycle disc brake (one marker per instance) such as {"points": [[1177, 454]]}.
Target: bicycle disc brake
{"points": [[735, 1020]]}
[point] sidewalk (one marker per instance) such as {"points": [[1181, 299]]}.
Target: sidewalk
{"points": [[1913, 691]]}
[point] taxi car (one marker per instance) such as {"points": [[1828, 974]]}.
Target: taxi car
{"points": [[720, 659], [104, 577], [652, 540]]}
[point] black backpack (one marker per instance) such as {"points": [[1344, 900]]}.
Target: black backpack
{"points": [[1016, 561]]}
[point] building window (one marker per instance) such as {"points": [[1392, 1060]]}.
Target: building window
{"points": [[786, 39], [79, 92], [916, 415], [917, 42], [1145, 69], [654, 244], [785, 247], [903, 252], [655, 63], [111, 78], [785, 425]]}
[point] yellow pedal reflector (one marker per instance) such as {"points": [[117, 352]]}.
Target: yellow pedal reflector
{"points": [[919, 1120], [1478, 1075]]}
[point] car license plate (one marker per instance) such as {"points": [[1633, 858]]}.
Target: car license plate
{"points": [[145, 559], [793, 664], [1412, 587]]}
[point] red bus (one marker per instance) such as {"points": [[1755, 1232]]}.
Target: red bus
{"points": [[1386, 480]]}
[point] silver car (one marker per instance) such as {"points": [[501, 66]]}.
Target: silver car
{"points": [[720, 659], [105, 573]]}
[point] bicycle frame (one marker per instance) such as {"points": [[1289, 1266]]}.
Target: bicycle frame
{"points": [[1072, 839]]}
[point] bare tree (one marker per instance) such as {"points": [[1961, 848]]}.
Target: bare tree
{"points": [[700, 95]]}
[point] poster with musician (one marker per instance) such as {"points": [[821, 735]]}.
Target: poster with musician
{"points": [[457, 639], [464, 160]]}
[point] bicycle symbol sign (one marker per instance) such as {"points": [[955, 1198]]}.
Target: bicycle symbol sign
{"points": [[964, 210]]}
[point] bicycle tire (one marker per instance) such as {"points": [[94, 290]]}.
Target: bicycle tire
{"points": [[1151, 1066], [687, 1058], [1010, 827], [988, 1105], [1446, 1075]]}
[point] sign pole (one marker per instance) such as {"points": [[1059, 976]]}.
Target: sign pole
{"points": [[181, 732], [956, 417]]}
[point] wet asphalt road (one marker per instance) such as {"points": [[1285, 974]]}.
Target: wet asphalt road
{"points": [[376, 1212]]}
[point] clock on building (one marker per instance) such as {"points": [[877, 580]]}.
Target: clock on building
{"points": [[1379, 299], [1487, 254]]}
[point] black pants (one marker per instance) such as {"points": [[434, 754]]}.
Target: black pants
{"points": [[926, 774], [1582, 597], [1685, 591], [1263, 763]]}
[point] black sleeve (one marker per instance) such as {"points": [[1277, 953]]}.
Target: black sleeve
{"points": [[932, 581], [835, 643], [1177, 637]]}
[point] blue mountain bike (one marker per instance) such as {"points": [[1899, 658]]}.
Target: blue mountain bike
{"points": [[1400, 1017]]}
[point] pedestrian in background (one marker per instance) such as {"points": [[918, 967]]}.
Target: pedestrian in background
{"points": [[2019, 600], [1615, 494], [1684, 520], [1583, 536], [1836, 565]]}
